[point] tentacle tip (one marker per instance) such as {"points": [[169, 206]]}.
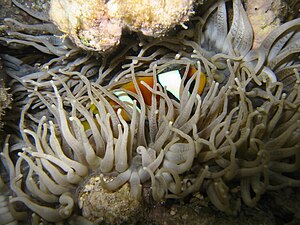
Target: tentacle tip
{"points": [[12, 199], [70, 171], [283, 96]]}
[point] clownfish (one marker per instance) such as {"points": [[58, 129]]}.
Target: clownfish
{"points": [[171, 80]]}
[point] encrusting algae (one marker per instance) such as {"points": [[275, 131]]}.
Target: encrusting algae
{"points": [[85, 125]]}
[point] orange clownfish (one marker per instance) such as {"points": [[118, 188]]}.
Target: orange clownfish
{"points": [[171, 80]]}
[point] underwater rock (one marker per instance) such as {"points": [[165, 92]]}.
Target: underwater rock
{"points": [[98, 204], [97, 25], [87, 23], [264, 16], [5, 98], [152, 18]]}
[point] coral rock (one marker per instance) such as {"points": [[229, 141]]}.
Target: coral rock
{"points": [[152, 18], [97, 25], [87, 23], [99, 204]]}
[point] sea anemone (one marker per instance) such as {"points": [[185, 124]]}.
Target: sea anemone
{"points": [[237, 139]]}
